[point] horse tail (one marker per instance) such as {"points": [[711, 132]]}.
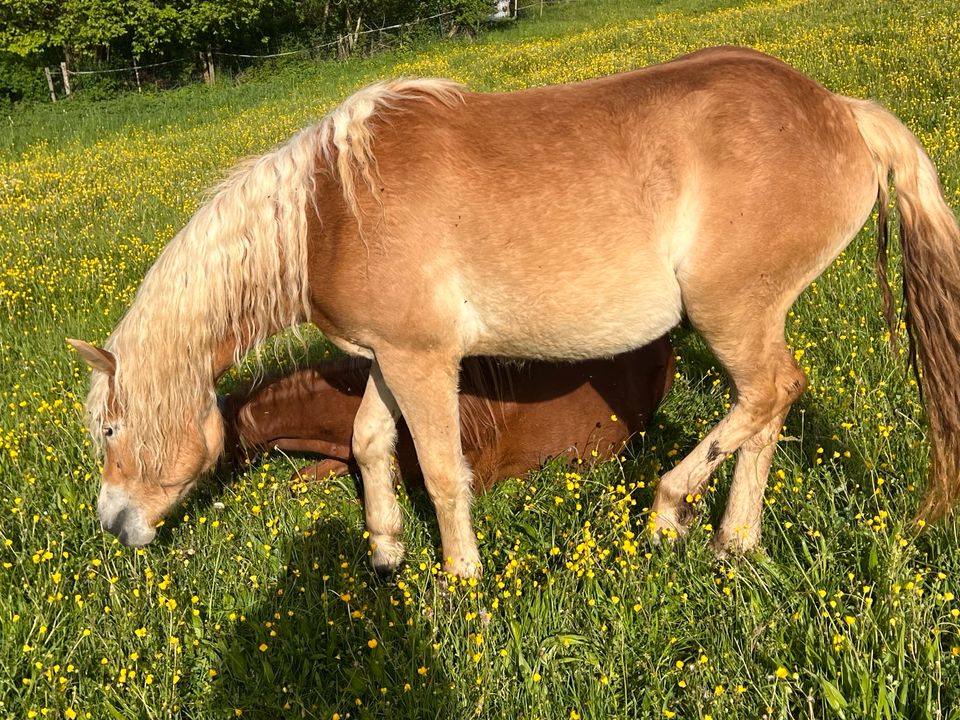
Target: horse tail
{"points": [[930, 241]]}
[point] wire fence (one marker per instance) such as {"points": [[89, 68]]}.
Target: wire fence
{"points": [[66, 81]]}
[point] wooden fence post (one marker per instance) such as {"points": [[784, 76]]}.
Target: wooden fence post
{"points": [[213, 77], [53, 93], [66, 78]]}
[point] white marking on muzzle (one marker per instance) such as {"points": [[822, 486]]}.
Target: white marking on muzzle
{"points": [[120, 517]]}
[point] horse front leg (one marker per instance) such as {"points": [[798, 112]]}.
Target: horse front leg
{"points": [[374, 436], [425, 387]]}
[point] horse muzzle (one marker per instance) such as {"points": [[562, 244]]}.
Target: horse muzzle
{"points": [[120, 517]]}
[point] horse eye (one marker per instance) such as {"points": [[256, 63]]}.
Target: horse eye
{"points": [[108, 432]]}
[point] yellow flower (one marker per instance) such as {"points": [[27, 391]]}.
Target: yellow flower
{"points": [[782, 672], [263, 647], [372, 643]]}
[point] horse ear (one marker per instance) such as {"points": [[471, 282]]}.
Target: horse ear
{"points": [[98, 359]]}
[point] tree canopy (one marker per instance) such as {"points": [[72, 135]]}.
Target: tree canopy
{"points": [[34, 33]]}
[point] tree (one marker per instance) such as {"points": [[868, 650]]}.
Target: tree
{"points": [[28, 27], [92, 27], [206, 22]]}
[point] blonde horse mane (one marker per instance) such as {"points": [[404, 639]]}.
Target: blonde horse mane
{"points": [[346, 130], [236, 271]]}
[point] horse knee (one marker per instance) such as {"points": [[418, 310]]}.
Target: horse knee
{"points": [[373, 438]]}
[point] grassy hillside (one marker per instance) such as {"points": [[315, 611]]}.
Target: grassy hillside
{"points": [[266, 607]]}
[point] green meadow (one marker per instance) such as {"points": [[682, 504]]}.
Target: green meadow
{"points": [[257, 599]]}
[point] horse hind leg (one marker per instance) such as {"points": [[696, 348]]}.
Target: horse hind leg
{"points": [[374, 436], [739, 531], [425, 386], [766, 381]]}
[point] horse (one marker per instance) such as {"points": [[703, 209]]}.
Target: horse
{"points": [[513, 416], [419, 223]]}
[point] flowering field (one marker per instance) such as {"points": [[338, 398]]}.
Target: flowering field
{"points": [[257, 600]]}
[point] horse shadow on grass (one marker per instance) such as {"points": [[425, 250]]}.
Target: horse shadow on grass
{"points": [[328, 638]]}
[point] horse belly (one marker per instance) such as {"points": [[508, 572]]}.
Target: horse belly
{"points": [[574, 315]]}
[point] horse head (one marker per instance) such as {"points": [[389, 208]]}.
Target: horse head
{"points": [[137, 491]]}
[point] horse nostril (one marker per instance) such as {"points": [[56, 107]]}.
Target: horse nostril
{"points": [[115, 526]]}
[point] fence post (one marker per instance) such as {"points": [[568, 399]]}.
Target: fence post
{"points": [[53, 93], [206, 59], [213, 77], [136, 71], [66, 78]]}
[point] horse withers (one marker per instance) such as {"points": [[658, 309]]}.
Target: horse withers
{"points": [[513, 416], [716, 186]]}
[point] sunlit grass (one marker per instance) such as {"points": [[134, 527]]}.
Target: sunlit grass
{"points": [[258, 600]]}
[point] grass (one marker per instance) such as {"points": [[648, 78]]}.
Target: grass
{"points": [[258, 601]]}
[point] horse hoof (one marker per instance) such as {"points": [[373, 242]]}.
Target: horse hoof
{"points": [[464, 567], [665, 528], [386, 554], [742, 541], [384, 572]]}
